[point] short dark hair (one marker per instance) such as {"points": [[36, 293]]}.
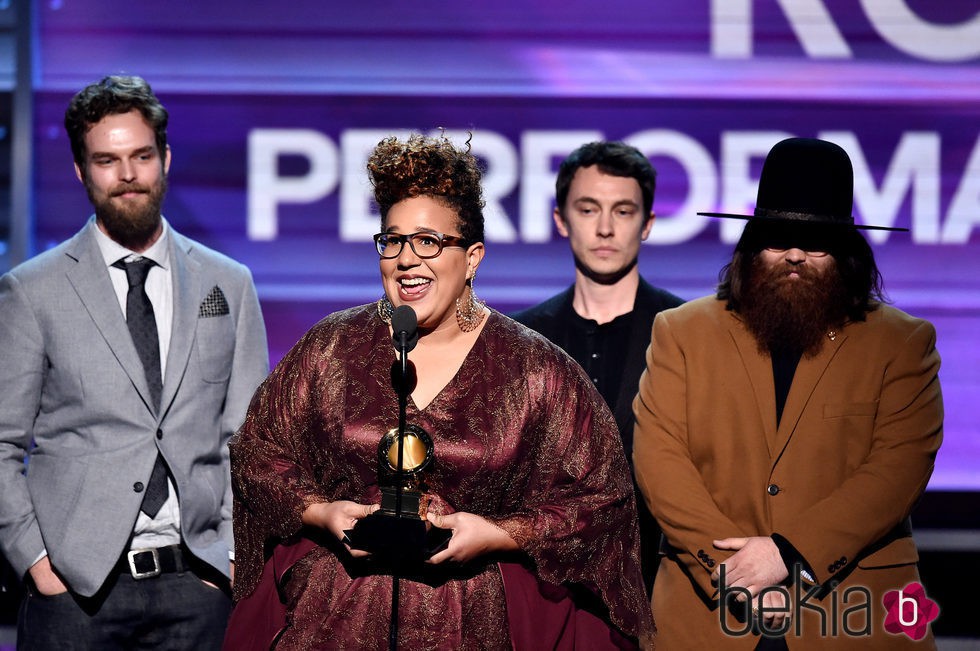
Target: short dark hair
{"points": [[113, 95], [429, 167], [612, 157], [852, 253]]}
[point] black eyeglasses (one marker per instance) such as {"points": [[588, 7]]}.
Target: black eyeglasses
{"points": [[783, 248], [780, 238], [425, 244]]}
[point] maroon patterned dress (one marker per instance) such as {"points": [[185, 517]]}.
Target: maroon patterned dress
{"points": [[521, 438]]}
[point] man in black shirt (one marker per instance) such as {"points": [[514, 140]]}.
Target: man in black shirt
{"points": [[604, 206]]}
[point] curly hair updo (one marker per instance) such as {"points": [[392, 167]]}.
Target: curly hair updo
{"points": [[429, 167]]}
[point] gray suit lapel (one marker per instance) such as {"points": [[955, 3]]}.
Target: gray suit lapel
{"points": [[90, 279], [187, 299]]}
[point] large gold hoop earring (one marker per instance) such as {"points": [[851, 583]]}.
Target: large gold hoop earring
{"points": [[385, 309], [469, 310]]}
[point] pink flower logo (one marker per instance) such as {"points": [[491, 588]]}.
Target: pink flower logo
{"points": [[910, 611]]}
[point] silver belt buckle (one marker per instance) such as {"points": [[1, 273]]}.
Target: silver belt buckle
{"points": [[154, 554]]}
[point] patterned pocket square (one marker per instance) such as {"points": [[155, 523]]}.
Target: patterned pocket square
{"points": [[214, 305]]}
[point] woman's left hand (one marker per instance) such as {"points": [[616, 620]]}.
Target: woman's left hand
{"points": [[473, 536]]}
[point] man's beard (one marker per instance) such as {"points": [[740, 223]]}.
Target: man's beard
{"points": [[793, 315], [132, 225]]}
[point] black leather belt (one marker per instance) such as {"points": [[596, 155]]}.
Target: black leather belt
{"points": [[148, 563]]}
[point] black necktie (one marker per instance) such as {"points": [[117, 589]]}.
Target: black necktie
{"points": [[143, 329]]}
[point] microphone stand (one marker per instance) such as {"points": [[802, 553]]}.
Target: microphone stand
{"points": [[399, 474]]}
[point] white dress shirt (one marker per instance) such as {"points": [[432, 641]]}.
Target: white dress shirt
{"points": [[164, 529]]}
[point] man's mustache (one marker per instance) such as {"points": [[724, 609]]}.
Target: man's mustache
{"points": [[124, 189]]}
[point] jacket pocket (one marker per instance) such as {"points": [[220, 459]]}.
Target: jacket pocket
{"points": [[847, 409]]}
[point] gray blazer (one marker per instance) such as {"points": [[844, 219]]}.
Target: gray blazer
{"points": [[72, 383]]}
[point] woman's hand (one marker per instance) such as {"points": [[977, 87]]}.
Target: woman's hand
{"points": [[338, 516], [473, 536]]}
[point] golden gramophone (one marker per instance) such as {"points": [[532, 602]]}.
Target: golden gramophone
{"points": [[398, 532], [417, 454]]}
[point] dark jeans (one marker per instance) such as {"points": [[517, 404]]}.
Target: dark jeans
{"points": [[174, 611]]}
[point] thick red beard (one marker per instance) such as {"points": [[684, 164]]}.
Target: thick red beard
{"points": [[793, 315], [132, 227]]}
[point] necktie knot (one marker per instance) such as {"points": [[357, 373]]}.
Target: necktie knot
{"points": [[136, 271]]}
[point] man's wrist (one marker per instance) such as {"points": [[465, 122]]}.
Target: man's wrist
{"points": [[792, 559]]}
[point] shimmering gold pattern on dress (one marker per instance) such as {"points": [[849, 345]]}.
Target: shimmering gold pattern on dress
{"points": [[523, 439]]}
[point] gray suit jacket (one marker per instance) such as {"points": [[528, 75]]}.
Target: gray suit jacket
{"points": [[72, 383]]}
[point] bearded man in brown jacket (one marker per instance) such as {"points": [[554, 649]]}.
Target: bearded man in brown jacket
{"points": [[785, 428]]}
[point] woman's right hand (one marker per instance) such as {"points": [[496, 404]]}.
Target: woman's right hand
{"points": [[336, 517]]}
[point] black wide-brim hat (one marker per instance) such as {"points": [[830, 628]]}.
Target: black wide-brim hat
{"points": [[806, 180]]}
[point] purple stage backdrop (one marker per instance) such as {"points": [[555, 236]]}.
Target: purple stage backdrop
{"points": [[274, 109]]}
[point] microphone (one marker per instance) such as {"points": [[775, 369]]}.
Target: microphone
{"points": [[405, 327]]}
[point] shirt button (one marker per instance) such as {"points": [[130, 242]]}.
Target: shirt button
{"points": [[159, 433], [772, 489], [138, 487], [595, 380], [595, 355]]}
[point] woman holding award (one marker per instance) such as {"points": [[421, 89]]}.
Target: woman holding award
{"points": [[508, 446]]}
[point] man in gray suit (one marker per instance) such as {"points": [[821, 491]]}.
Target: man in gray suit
{"points": [[130, 354]]}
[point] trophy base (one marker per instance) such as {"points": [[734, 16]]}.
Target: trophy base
{"points": [[397, 539], [410, 507]]}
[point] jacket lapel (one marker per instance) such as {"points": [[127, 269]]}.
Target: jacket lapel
{"points": [[187, 299], [90, 279], [636, 360], [758, 369], [808, 374]]}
